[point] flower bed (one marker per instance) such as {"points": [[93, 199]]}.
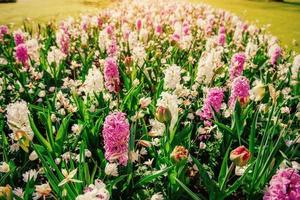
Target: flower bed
{"points": [[148, 100]]}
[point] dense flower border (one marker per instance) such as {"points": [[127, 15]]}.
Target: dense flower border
{"points": [[148, 100]]}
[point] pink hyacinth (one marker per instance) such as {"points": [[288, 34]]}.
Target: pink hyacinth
{"points": [[212, 103], [274, 53], [139, 24], [112, 48], [237, 65], [111, 75], [116, 137], [19, 37], [63, 41], [3, 31], [284, 185], [110, 30], [221, 39], [239, 91], [222, 30], [22, 54], [158, 29]]}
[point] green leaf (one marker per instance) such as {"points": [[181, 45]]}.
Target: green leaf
{"points": [[224, 169], [62, 131], [252, 135], [192, 194], [208, 182], [151, 177], [39, 135]]}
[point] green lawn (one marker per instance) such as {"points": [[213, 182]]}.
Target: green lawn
{"points": [[284, 18], [44, 10]]}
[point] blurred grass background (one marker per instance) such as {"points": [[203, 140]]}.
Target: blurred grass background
{"points": [[284, 18], [44, 10]]}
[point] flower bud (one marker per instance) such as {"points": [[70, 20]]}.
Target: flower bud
{"points": [[6, 192], [23, 139], [179, 153], [258, 92], [163, 114], [240, 156]]}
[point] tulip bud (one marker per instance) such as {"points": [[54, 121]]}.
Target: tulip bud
{"points": [[179, 153], [240, 156], [6, 192], [163, 114], [23, 139], [258, 92]]}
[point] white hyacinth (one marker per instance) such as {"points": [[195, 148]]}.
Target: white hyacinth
{"points": [[17, 117], [55, 55], [207, 64], [111, 169], [93, 82], [92, 192], [157, 129], [172, 77]]}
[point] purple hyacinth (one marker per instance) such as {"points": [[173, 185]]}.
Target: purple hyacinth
{"points": [[284, 185], [239, 91], [3, 31], [22, 54], [212, 103], [237, 65], [111, 75], [19, 37], [116, 137]]}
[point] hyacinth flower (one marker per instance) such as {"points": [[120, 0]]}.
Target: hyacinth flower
{"points": [[19, 37], [285, 184], [274, 53], [63, 41], [111, 75], [237, 65], [3, 31], [212, 103], [116, 133], [240, 91], [22, 54]]}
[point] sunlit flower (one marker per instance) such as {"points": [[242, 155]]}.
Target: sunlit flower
{"points": [[41, 191], [212, 103], [30, 175], [172, 77], [274, 53], [95, 191], [258, 91], [179, 153], [6, 192], [4, 167], [116, 136], [169, 101], [157, 196], [111, 169], [145, 101], [111, 75], [240, 91], [69, 177], [237, 65], [240, 156]]}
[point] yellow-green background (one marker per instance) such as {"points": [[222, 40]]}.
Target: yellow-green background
{"points": [[284, 18]]}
